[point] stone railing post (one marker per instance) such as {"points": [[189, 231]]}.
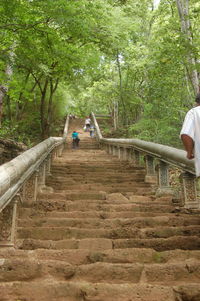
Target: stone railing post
{"points": [[30, 188], [14, 219], [8, 219], [104, 147], [120, 153], [136, 157], [60, 149], [115, 150], [125, 154], [151, 176], [163, 180], [41, 177], [48, 165], [189, 191], [129, 154], [110, 149]]}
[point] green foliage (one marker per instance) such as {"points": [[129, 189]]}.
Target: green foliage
{"points": [[101, 56]]}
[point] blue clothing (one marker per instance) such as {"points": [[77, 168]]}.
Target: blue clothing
{"points": [[74, 135]]}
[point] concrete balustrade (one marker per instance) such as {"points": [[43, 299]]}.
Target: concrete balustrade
{"points": [[161, 155], [151, 176], [22, 178]]}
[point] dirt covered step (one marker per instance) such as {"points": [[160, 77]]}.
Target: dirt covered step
{"points": [[97, 165], [79, 291], [21, 269], [96, 185], [137, 189], [73, 195], [135, 186], [158, 244], [58, 233], [57, 212], [138, 222], [97, 174], [88, 256], [100, 205]]}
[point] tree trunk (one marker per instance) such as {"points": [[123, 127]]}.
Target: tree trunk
{"points": [[42, 109], [183, 10], [49, 110], [3, 91], [115, 114], [120, 88], [19, 105]]}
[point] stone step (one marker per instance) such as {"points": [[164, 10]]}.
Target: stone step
{"points": [[95, 166], [74, 195], [135, 190], [50, 212], [138, 189], [88, 256], [59, 233], [94, 178], [101, 205], [158, 244], [100, 272], [111, 162], [95, 185], [98, 169], [94, 181], [137, 222], [52, 290]]}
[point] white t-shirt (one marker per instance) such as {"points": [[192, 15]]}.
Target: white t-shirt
{"points": [[87, 121], [191, 127]]}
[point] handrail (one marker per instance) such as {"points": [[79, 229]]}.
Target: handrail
{"points": [[171, 155], [15, 172], [168, 154], [130, 149]]}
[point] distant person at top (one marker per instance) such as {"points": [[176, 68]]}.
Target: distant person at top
{"points": [[75, 139], [72, 116], [92, 129], [87, 124], [190, 134]]}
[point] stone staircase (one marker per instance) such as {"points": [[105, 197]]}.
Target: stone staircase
{"points": [[101, 236]]}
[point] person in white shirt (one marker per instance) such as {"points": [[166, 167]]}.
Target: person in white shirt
{"points": [[190, 134], [87, 124]]}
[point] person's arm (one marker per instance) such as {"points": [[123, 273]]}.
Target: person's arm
{"points": [[189, 145]]}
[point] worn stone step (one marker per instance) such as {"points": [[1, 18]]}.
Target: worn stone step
{"points": [[95, 185], [88, 256], [58, 233], [138, 222], [138, 189], [113, 165], [97, 174], [147, 190], [74, 195], [101, 205], [164, 274], [79, 291], [52, 212], [100, 272], [158, 244], [91, 185]]}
